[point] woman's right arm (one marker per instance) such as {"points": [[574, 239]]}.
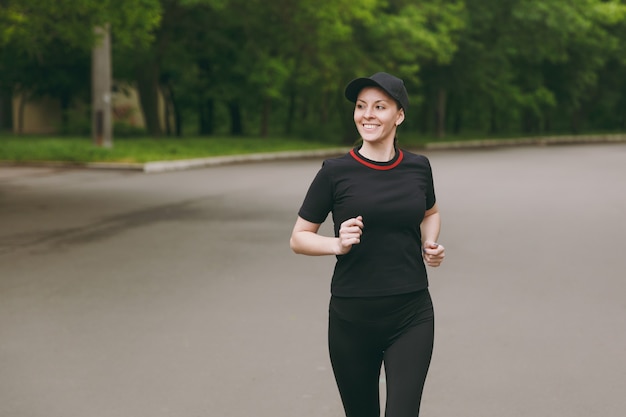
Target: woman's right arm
{"points": [[305, 240]]}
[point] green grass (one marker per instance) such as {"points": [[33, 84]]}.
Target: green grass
{"points": [[140, 150]]}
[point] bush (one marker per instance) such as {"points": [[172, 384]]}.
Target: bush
{"points": [[126, 130]]}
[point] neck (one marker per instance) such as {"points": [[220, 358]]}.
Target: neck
{"points": [[379, 152]]}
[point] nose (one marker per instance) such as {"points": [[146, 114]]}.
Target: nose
{"points": [[368, 112]]}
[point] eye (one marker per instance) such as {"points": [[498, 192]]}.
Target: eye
{"points": [[380, 107]]}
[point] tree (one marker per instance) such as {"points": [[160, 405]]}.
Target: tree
{"points": [[56, 38], [525, 63], [251, 66]]}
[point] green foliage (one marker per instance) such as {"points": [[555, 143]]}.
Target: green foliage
{"points": [[32, 24], [132, 21], [529, 65], [255, 66]]}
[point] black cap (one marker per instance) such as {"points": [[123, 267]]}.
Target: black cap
{"points": [[394, 86]]}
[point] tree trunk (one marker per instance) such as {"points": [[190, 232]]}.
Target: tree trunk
{"points": [[493, 120], [6, 113], [457, 122], [547, 124], [265, 117], [291, 112], [178, 118], [167, 109], [236, 122], [323, 109], [147, 73], [528, 122], [425, 118], [172, 113], [441, 113], [65, 115], [576, 121], [20, 114], [206, 114]]}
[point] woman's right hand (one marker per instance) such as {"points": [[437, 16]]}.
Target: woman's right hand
{"points": [[350, 233]]}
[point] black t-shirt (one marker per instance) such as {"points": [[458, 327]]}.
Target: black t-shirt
{"points": [[392, 198]]}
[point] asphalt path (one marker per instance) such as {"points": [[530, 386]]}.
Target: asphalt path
{"points": [[125, 294]]}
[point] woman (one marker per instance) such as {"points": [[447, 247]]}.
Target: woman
{"points": [[386, 225]]}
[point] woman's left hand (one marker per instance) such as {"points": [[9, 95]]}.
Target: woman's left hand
{"points": [[433, 253]]}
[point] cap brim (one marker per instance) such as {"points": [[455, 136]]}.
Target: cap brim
{"points": [[355, 86]]}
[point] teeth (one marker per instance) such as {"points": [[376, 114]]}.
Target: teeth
{"points": [[369, 126]]}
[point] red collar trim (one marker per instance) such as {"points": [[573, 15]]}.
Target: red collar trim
{"points": [[369, 164]]}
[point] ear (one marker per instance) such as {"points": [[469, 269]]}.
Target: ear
{"points": [[400, 118]]}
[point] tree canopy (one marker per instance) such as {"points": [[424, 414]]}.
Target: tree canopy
{"points": [[259, 67]]}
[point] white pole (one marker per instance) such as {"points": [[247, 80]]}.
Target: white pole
{"points": [[101, 125]]}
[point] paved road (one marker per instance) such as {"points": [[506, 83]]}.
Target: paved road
{"points": [[132, 295]]}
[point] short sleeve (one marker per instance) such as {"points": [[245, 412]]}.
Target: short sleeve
{"points": [[318, 201], [430, 187]]}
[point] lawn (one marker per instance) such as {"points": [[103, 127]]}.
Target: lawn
{"points": [[140, 150]]}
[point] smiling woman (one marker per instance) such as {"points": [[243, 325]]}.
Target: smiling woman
{"points": [[386, 225]]}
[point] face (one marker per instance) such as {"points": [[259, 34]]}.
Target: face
{"points": [[377, 115]]}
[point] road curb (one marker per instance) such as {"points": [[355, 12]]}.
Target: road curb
{"points": [[162, 166], [528, 141], [184, 164], [70, 165]]}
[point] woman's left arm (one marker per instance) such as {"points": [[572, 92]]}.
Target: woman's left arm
{"points": [[433, 252]]}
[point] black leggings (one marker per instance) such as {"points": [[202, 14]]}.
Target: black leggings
{"points": [[364, 333]]}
